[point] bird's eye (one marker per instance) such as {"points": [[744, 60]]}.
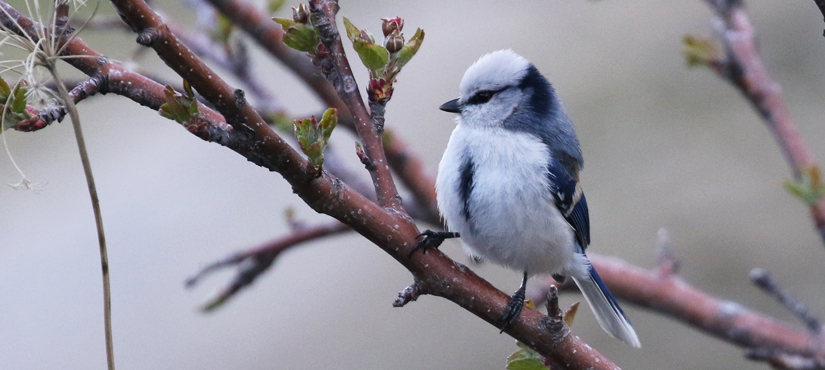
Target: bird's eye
{"points": [[481, 97]]}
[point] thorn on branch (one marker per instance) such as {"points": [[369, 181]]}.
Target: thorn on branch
{"points": [[763, 280], [410, 293], [666, 254]]}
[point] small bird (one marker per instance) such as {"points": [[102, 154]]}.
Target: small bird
{"points": [[508, 184]]}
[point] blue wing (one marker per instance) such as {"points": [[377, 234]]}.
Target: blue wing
{"points": [[570, 201]]}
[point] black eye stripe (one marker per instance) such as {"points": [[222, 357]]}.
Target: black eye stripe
{"points": [[483, 96]]}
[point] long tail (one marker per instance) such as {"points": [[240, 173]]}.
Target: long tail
{"points": [[607, 310]]}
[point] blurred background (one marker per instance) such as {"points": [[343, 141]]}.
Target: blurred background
{"points": [[664, 146]]}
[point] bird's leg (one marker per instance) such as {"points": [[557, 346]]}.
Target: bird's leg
{"points": [[432, 239], [514, 307]]}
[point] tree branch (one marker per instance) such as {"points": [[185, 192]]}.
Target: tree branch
{"points": [[253, 262], [673, 297], [338, 72], [269, 35], [393, 232], [742, 66]]}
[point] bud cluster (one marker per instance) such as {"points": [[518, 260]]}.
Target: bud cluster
{"points": [[16, 113], [314, 136], [301, 33], [384, 61]]}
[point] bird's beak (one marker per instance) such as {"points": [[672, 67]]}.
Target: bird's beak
{"points": [[452, 106]]}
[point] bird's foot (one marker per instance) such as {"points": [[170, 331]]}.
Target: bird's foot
{"points": [[432, 239], [513, 310]]}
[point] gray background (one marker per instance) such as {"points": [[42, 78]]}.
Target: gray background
{"points": [[665, 146]]}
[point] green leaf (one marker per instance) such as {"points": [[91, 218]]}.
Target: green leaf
{"points": [[408, 51], [18, 103], [525, 358], [328, 122], [178, 107], [301, 37], [699, 51], [5, 91], [313, 135], [352, 31], [285, 23], [809, 188], [374, 56]]}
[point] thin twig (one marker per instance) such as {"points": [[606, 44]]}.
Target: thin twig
{"points": [[743, 67], [254, 262], [762, 279]]}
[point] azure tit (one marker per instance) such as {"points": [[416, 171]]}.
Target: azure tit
{"points": [[508, 184]]}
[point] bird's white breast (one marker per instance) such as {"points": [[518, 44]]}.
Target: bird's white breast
{"points": [[512, 217]]}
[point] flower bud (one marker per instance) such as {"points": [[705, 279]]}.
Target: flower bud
{"points": [[394, 43], [391, 25], [300, 14]]}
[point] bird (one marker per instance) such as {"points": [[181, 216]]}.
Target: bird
{"points": [[507, 185]]}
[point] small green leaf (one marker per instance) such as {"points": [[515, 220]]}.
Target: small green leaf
{"points": [[408, 51], [525, 358], [374, 56], [18, 103], [352, 31], [301, 37], [809, 188], [313, 135], [699, 51], [285, 23], [5, 91], [328, 122], [178, 107]]}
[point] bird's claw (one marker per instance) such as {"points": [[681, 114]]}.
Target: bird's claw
{"points": [[513, 311], [432, 239]]}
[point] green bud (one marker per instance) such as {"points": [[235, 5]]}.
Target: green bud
{"points": [[299, 36], [809, 188], [179, 107], [313, 136], [699, 51]]}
